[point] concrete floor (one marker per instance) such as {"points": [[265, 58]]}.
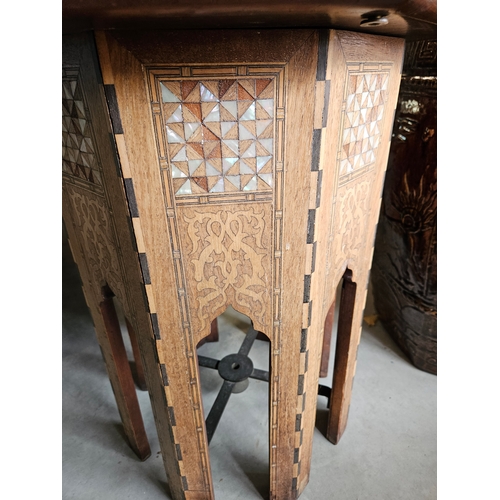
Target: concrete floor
{"points": [[388, 451]]}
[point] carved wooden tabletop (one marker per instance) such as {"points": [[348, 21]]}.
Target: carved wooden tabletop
{"points": [[411, 19]]}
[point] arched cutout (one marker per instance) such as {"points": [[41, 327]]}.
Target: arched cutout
{"points": [[238, 418], [213, 336], [342, 344]]}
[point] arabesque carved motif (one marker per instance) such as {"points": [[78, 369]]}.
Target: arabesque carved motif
{"points": [[97, 239], [229, 262], [350, 229]]}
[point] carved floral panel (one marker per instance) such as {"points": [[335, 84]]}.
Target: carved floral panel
{"points": [[353, 209], [227, 261], [92, 219]]}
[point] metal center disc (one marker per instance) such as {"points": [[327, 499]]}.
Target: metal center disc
{"points": [[235, 367]]}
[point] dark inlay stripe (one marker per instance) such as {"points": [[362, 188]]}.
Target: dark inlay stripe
{"points": [[164, 375], [132, 202], [171, 414], [114, 112], [316, 146], [322, 55], [310, 225], [156, 326], [298, 421], [145, 268], [300, 389], [303, 340], [307, 288], [327, 103]]}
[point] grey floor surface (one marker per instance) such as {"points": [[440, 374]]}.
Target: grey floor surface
{"points": [[388, 451]]}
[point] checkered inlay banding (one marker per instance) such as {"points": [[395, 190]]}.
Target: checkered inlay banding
{"points": [[320, 121], [114, 112], [136, 233]]}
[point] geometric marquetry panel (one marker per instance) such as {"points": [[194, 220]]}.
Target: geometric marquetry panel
{"points": [[220, 134], [78, 151], [364, 112]]}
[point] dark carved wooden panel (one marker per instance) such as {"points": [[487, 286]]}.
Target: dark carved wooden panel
{"points": [[404, 263]]}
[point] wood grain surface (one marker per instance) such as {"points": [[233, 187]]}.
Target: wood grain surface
{"points": [[412, 19], [252, 163], [101, 243]]}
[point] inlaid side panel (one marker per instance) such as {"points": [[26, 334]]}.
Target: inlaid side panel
{"points": [[365, 99], [96, 217], [79, 157], [88, 207], [361, 110], [349, 234], [255, 183], [220, 134], [209, 148], [364, 132], [96, 237], [220, 145], [218, 141]]}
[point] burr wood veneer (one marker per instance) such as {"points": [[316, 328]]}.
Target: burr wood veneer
{"points": [[250, 172]]}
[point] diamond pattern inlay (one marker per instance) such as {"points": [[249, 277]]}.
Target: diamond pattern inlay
{"points": [[78, 150], [220, 134], [366, 96]]}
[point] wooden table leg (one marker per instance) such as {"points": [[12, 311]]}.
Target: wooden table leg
{"points": [[110, 339], [340, 383], [348, 335]]}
